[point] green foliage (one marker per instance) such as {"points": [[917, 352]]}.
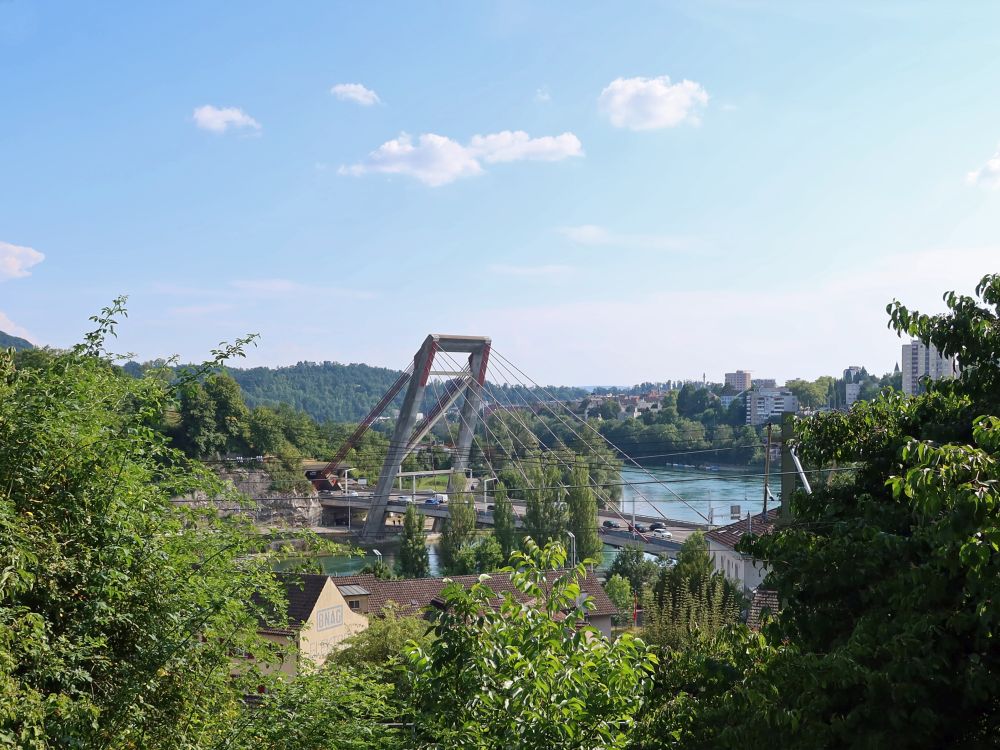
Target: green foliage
{"points": [[119, 612], [619, 591], [631, 564], [545, 513], [527, 676], [336, 707], [379, 569], [887, 573], [381, 646], [459, 531], [504, 524], [582, 509], [7, 341], [413, 560]]}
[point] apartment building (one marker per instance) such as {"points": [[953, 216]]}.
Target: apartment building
{"points": [[924, 361]]}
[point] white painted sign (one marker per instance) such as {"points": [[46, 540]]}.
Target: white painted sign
{"points": [[331, 617]]}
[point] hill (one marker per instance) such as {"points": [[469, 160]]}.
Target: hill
{"points": [[18, 344], [330, 391], [326, 391]]}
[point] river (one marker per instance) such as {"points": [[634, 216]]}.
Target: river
{"points": [[689, 494]]}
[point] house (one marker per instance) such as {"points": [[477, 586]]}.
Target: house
{"points": [[318, 619], [367, 595], [741, 569]]}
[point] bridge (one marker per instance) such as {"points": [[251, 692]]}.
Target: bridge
{"points": [[464, 390], [619, 537]]}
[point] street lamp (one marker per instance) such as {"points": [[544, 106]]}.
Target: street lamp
{"points": [[572, 541], [346, 472], [378, 558]]}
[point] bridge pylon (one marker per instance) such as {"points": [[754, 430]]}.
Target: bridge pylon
{"points": [[465, 384]]}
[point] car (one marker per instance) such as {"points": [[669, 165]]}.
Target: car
{"points": [[609, 524], [432, 501], [662, 534], [657, 526], [639, 528], [403, 499], [490, 507], [352, 493]]}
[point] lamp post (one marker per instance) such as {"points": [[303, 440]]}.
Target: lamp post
{"points": [[346, 472], [378, 558], [572, 543]]}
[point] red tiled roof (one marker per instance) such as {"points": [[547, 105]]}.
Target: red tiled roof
{"points": [[764, 600], [730, 535], [414, 594]]}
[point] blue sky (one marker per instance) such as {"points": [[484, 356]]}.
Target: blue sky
{"points": [[613, 192]]}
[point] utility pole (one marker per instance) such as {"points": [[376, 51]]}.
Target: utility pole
{"points": [[789, 475], [767, 468]]}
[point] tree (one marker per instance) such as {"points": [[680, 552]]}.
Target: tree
{"points": [[336, 707], [530, 675], [504, 525], [631, 564], [609, 409], [887, 572], [381, 647], [119, 610], [545, 507], [231, 415], [489, 555], [620, 593], [582, 507], [693, 561], [413, 559], [459, 531]]}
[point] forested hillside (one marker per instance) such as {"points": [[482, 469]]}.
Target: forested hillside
{"points": [[326, 391], [332, 392], [13, 342]]}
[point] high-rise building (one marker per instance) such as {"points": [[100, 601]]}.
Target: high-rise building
{"points": [[738, 381], [769, 403], [921, 360], [851, 393]]}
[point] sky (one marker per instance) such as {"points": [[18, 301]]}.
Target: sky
{"points": [[613, 192]]}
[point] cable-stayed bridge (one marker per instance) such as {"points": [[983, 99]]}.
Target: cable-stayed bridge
{"points": [[469, 383]]}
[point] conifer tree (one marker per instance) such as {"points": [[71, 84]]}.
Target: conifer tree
{"points": [[504, 527], [413, 558], [582, 507]]}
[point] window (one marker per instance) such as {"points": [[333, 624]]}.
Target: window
{"points": [[354, 604]]}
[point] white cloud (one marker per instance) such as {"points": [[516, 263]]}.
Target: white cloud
{"points": [[10, 327], [288, 288], [587, 234], [531, 271], [266, 286], [519, 146], [437, 160], [15, 260], [651, 103], [201, 311], [988, 175], [542, 95], [355, 92], [219, 120], [591, 234], [844, 309]]}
